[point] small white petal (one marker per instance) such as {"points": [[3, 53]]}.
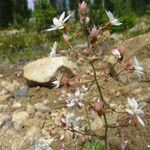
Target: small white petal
{"points": [[54, 46], [133, 103], [70, 104], [110, 15], [53, 51], [140, 121], [51, 29], [56, 84], [78, 118], [56, 22], [63, 120], [61, 27], [138, 67], [77, 92], [70, 115], [76, 128], [116, 53], [112, 19], [61, 18], [116, 22], [130, 111], [138, 111], [67, 18], [80, 104]]}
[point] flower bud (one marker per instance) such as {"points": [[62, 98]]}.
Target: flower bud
{"points": [[65, 79], [87, 19], [122, 50], [83, 7], [129, 66], [93, 34], [99, 108], [119, 52], [63, 121]]}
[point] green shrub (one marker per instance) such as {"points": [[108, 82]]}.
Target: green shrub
{"points": [[23, 45], [43, 14], [128, 19]]}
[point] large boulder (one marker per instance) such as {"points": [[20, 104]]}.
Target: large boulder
{"points": [[42, 71]]}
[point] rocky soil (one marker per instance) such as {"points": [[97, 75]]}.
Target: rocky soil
{"points": [[30, 116]]}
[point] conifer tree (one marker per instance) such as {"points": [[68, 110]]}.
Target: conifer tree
{"points": [[21, 8], [6, 14]]}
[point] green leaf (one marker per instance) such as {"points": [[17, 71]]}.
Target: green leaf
{"points": [[100, 145], [88, 146]]}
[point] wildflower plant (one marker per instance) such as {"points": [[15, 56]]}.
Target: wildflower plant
{"points": [[77, 90]]}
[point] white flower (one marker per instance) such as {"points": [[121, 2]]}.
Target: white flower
{"points": [[75, 98], [59, 23], [124, 144], [56, 83], [116, 53], [53, 51], [135, 110], [138, 69], [71, 120], [114, 21]]}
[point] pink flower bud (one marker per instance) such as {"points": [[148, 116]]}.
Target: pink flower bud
{"points": [[119, 52], [99, 108], [93, 34], [129, 66], [122, 50], [65, 79], [83, 7], [63, 121]]}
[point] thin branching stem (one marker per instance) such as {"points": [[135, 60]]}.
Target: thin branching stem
{"points": [[102, 99], [86, 133]]}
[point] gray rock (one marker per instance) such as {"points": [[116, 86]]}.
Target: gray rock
{"points": [[22, 92], [139, 27], [10, 86], [3, 107], [42, 71], [41, 108], [45, 102], [3, 92], [5, 119], [19, 118], [4, 97], [30, 109], [16, 105], [41, 145]]}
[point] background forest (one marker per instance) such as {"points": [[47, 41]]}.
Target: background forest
{"points": [[17, 16]]}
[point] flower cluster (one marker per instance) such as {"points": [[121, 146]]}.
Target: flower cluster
{"points": [[59, 23], [114, 21], [57, 82], [134, 66], [70, 120], [75, 98], [135, 110], [75, 95]]}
